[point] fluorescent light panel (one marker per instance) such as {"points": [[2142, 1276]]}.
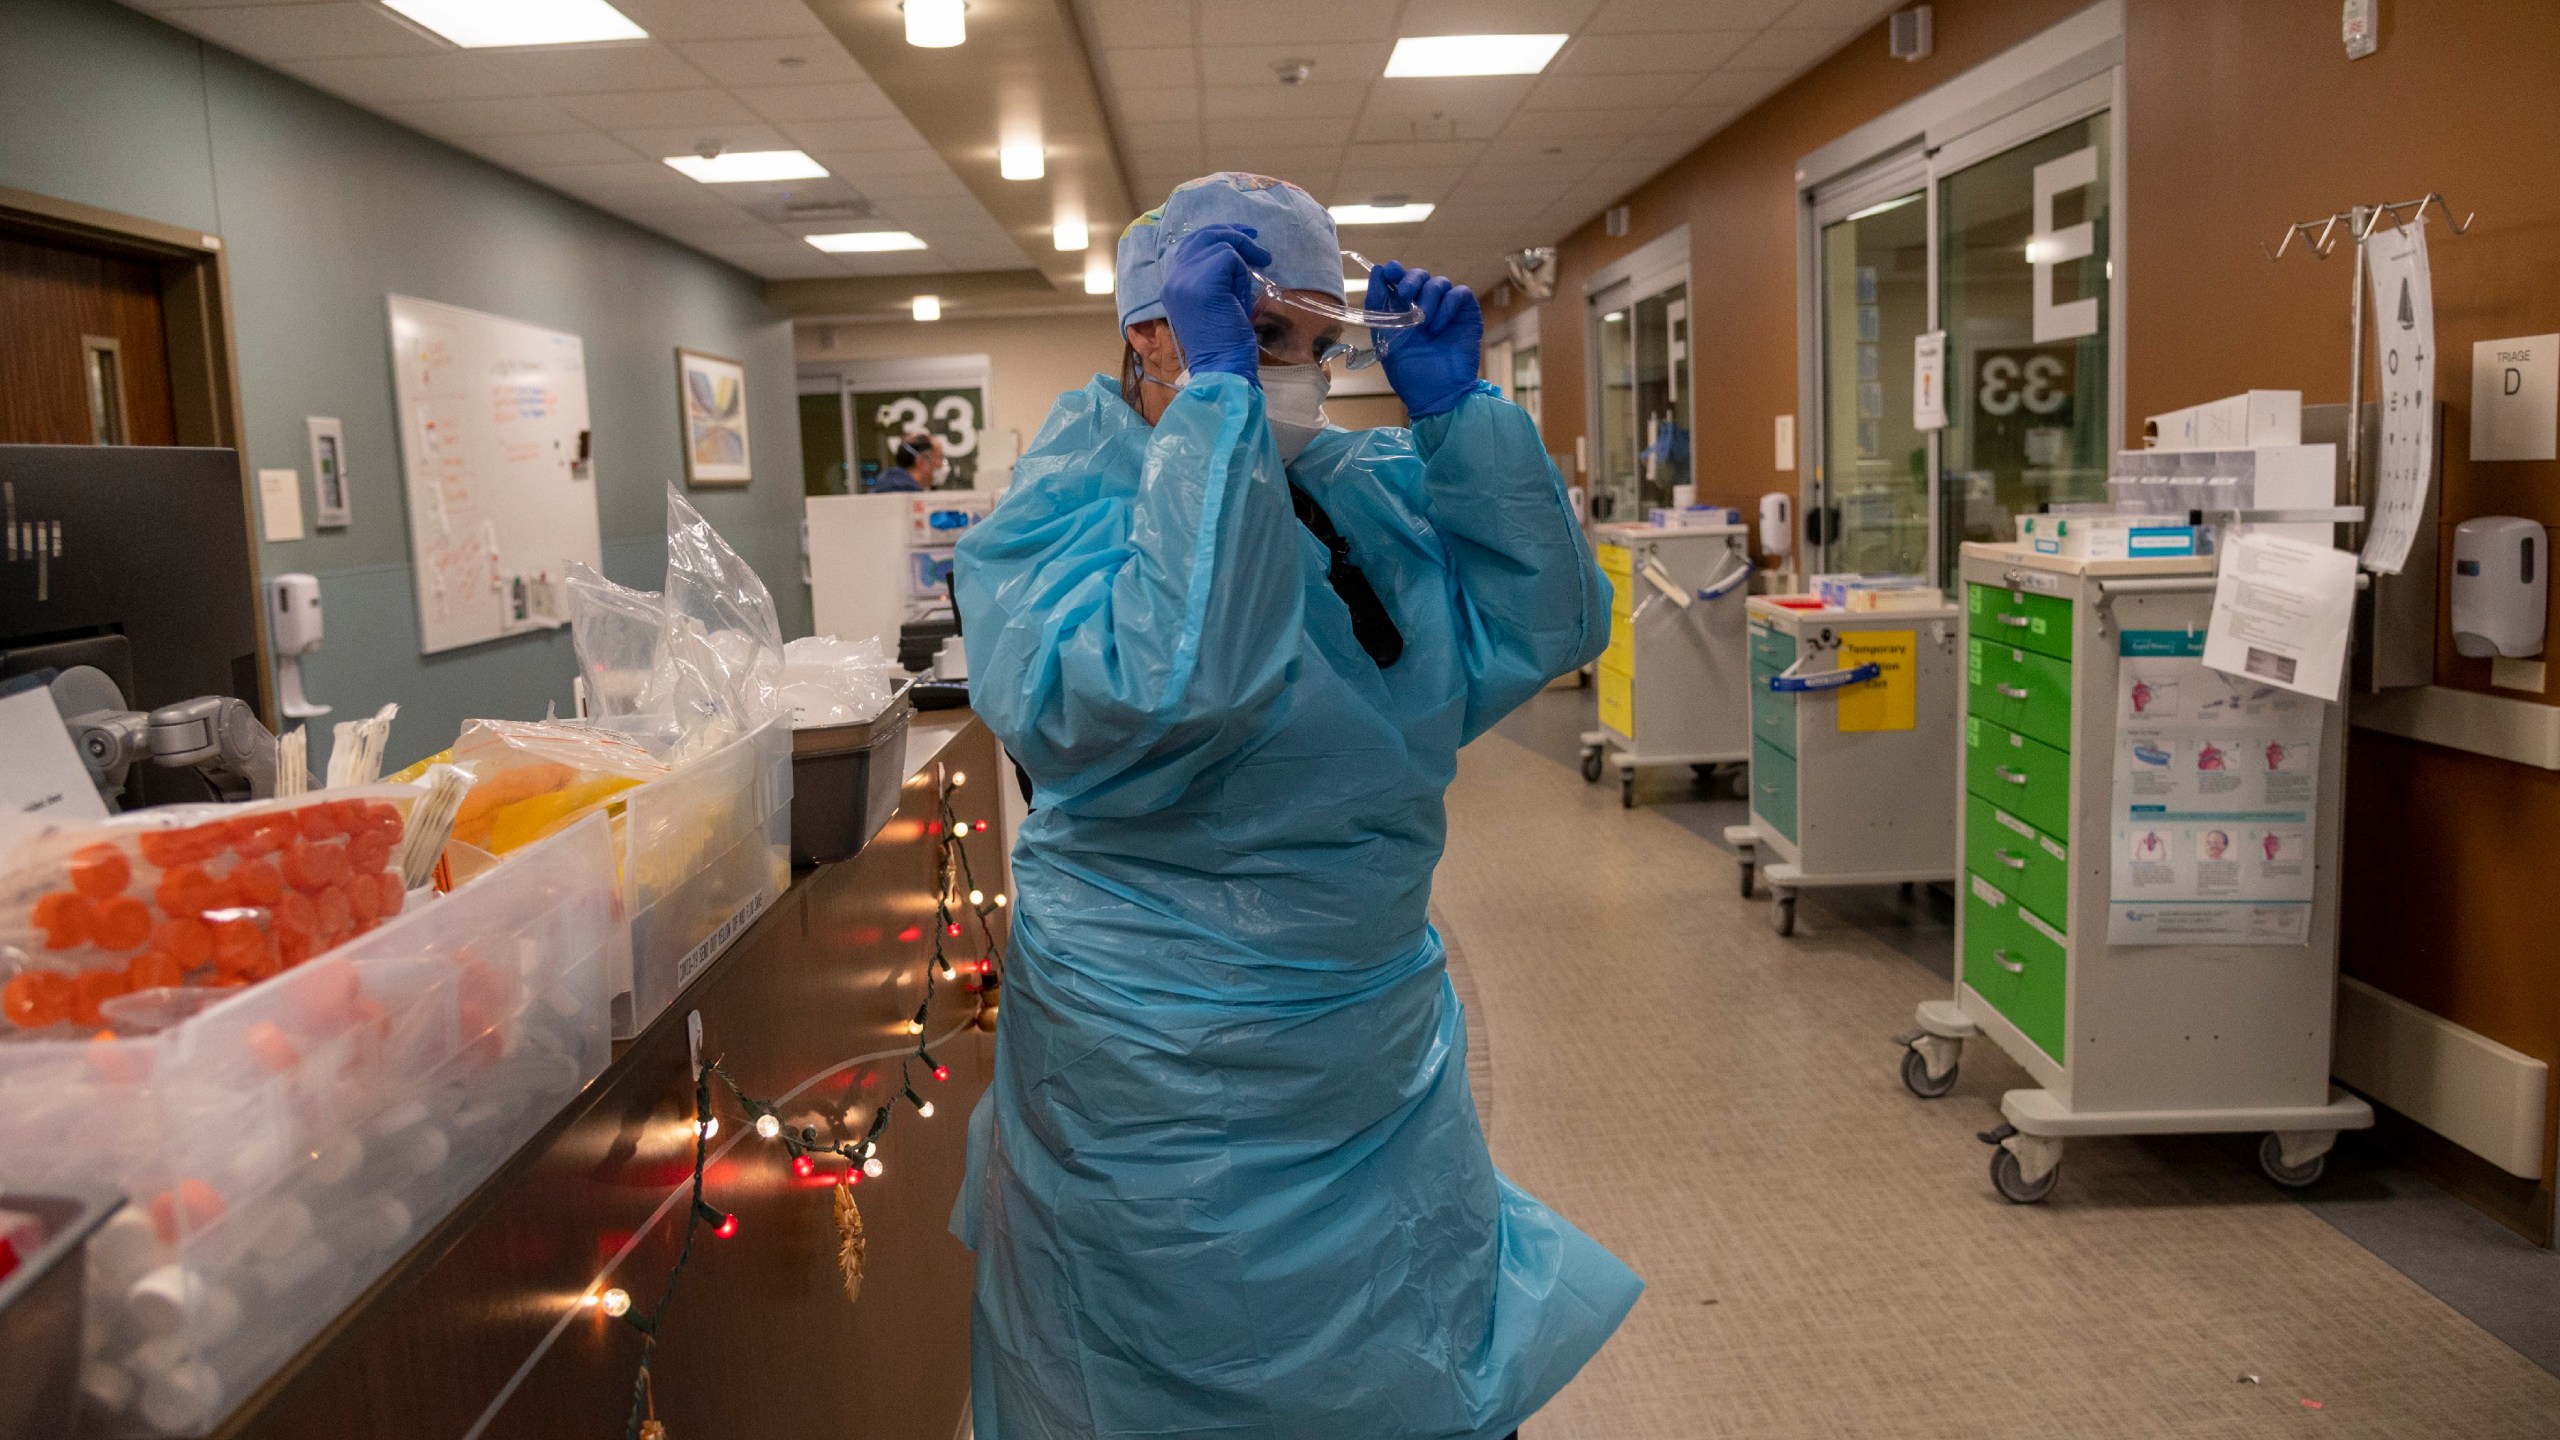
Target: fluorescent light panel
{"points": [[936, 24], [739, 166], [865, 242], [1022, 162], [487, 24], [1423, 56], [1380, 214]]}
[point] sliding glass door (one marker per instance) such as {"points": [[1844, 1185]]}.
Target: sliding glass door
{"points": [[1640, 347], [1874, 295]]}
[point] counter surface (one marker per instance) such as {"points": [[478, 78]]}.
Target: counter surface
{"points": [[760, 1339]]}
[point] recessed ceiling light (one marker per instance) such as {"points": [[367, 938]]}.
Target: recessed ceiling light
{"points": [[936, 24], [484, 24], [926, 307], [1098, 278], [1380, 214], [1070, 235], [736, 166], [865, 242], [1021, 162], [1418, 56]]}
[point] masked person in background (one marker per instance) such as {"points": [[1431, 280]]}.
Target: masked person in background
{"points": [[919, 466], [1228, 1179]]}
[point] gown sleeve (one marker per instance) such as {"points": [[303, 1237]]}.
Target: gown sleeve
{"points": [[1125, 637], [1531, 602]]}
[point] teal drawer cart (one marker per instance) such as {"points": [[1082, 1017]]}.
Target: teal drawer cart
{"points": [[1853, 749], [2099, 758]]}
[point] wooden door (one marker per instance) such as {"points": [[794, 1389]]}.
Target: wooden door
{"points": [[84, 355]]}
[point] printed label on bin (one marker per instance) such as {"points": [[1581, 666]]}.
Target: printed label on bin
{"points": [[709, 950]]}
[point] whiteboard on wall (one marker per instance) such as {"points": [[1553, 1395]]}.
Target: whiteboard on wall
{"points": [[496, 453]]}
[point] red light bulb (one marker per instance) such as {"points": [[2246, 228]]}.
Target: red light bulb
{"points": [[728, 1225], [941, 1072], [951, 929], [803, 1166], [853, 1176]]}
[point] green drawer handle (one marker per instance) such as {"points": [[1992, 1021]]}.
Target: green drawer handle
{"points": [[1768, 789], [2005, 773], [2020, 621], [2014, 862], [2014, 692], [2001, 959]]}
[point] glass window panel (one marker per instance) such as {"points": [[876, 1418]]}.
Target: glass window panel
{"points": [[1525, 387], [1661, 395], [2027, 420], [1613, 489], [1875, 301]]}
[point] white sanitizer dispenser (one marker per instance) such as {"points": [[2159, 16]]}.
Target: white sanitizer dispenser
{"points": [[2501, 585]]}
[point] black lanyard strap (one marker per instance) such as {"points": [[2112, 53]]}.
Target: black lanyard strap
{"points": [[1371, 625]]}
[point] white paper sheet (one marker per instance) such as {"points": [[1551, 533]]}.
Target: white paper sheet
{"points": [[2281, 613], [2404, 318], [43, 782], [280, 504], [1929, 381]]}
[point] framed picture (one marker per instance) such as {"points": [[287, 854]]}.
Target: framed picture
{"points": [[328, 471], [712, 393]]}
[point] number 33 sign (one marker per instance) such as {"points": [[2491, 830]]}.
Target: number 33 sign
{"points": [[2034, 382]]}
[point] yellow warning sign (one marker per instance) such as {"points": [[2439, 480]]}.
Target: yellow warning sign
{"points": [[1891, 701]]}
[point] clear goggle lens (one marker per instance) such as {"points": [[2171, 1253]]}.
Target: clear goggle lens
{"points": [[1380, 323]]}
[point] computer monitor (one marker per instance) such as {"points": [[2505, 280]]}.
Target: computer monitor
{"points": [[135, 559]]}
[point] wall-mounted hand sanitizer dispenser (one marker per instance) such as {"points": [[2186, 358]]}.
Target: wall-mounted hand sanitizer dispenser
{"points": [[2501, 585], [1777, 523]]}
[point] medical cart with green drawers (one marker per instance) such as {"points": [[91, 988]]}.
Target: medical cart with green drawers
{"points": [[1853, 727], [2086, 710]]}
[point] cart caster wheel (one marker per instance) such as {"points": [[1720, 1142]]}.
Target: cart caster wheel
{"points": [[1750, 871], [1782, 913], [1626, 789], [1591, 766], [2291, 1177], [2011, 1181], [1915, 1078]]}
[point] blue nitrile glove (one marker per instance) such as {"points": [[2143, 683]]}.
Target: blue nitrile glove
{"points": [[1209, 294], [1431, 365]]}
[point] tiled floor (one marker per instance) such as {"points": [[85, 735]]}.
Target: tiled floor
{"points": [[1824, 1253]]}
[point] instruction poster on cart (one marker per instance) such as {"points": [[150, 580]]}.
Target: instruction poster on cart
{"points": [[2216, 800]]}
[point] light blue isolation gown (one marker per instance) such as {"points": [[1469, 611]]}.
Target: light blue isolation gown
{"points": [[1228, 1180]]}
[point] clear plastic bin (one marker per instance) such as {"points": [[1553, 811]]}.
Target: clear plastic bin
{"points": [[705, 850], [281, 1148]]}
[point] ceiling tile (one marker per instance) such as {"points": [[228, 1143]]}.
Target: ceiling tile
{"points": [[1309, 166], [1416, 153], [656, 142], [1137, 23], [1576, 150], [1622, 16], [1494, 17], [1790, 50], [586, 69], [1283, 102], [1428, 186], [463, 119], [1333, 62], [1606, 92], [1153, 67], [705, 110], [1735, 86], [811, 60], [305, 32], [1223, 134], [887, 133], [919, 186], [1571, 124], [1837, 14], [895, 262], [568, 147], [1694, 52], [1143, 108], [725, 20], [1252, 22], [1161, 135], [861, 165], [1470, 109], [446, 75], [843, 100]]}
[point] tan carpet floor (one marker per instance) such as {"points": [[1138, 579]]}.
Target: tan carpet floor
{"points": [[1824, 1253]]}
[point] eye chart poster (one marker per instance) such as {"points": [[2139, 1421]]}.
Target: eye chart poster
{"points": [[2404, 324], [2216, 799]]}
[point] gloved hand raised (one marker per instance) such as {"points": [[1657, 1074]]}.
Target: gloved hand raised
{"points": [[1431, 365], [1209, 294]]}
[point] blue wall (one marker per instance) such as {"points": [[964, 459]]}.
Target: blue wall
{"points": [[324, 210]]}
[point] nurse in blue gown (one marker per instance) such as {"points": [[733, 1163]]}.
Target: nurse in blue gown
{"points": [[1228, 1180]]}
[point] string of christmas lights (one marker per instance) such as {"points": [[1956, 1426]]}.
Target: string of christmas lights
{"points": [[802, 1145]]}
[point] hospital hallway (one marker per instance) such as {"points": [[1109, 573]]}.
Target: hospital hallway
{"points": [[1823, 1252]]}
